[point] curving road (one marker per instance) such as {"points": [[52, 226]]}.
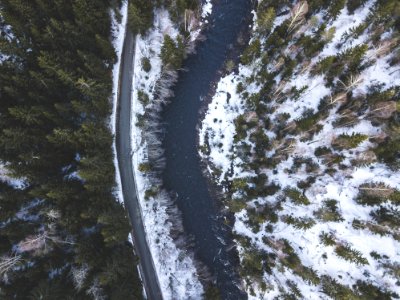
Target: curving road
{"points": [[123, 143]]}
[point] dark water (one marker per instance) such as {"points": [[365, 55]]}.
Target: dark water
{"points": [[183, 173]]}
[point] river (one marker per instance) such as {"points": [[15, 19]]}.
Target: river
{"points": [[183, 174]]}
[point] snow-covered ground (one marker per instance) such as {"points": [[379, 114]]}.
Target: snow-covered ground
{"points": [[176, 271], [18, 183], [118, 31], [217, 136], [175, 266]]}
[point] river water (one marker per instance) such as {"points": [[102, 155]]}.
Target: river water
{"points": [[183, 174]]}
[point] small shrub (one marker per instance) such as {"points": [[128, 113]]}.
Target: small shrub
{"points": [[335, 8], [349, 254], [389, 152], [265, 20], [172, 53], [327, 239], [329, 212], [141, 120], [252, 52], [305, 184], [239, 87], [140, 16], [310, 165], [143, 97], [229, 65], [388, 215], [324, 65], [144, 167], [364, 159], [368, 291], [241, 128], [296, 196], [239, 184], [303, 223], [322, 151], [308, 121], [336, 290], [309, 275], [151, 193], [352, 5], [252, 263], [375, 193], [345, 141], [146, 64]]}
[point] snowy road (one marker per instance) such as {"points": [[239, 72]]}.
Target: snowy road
{"points": [[123, 135]]}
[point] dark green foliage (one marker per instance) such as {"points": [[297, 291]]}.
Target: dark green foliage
{"points": [[236, 205], [292, 261], [212, 293], [317, 5], [276, 64], [324, 65], [290, 65], [305, 184], [310, 165], [388, 152], [353, 57], [335, 8], [311, 45], [350, 254], [266, 17], [345, 141], [252, 52], [337, 291], [329, 212], [143, 97], [296, 196], [348, 61], [151, 192], [377, 193], [140, 16], [252, 263], [54, 114], [388, 13], [146, 65], [241, 127], [145, 167], [303, 223], [327, 239], [172, 53], [309, 275], [322, 151], [261, 141], [370, 292], [177, 9], [352, 5], [309, 120], [387, 216]]}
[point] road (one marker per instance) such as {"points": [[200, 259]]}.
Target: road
{"points": [[123, 143]]}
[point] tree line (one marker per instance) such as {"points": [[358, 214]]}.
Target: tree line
{"points": [[64, 235]]}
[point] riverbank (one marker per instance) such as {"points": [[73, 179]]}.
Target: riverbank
{"points": [[176, 267]]}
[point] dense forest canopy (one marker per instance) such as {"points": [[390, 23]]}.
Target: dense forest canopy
{"points": [[63, 235]]}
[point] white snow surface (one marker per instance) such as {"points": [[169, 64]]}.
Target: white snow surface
{"points": [[207, 9], [175, 268], [343, 186], [118, 31], [18, 183]]}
